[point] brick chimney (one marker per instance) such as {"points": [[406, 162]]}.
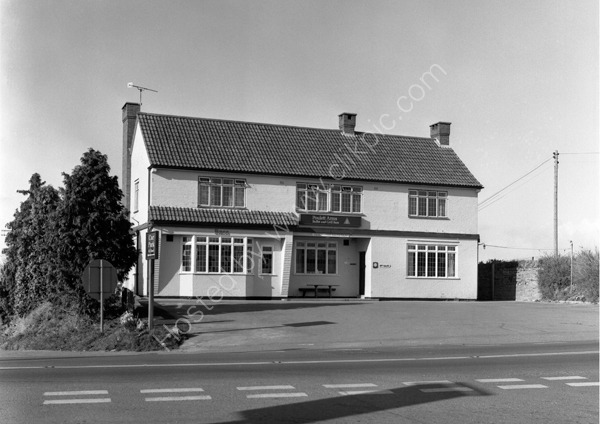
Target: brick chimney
{"points": [[441, 132], [130, 111], [347, 123]]}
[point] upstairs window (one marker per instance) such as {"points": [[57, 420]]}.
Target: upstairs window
{"points": [[221, 192], [422, 203], [328, 198]]}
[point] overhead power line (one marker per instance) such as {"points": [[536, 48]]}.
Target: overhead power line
{"points": [[485, 245], [482, 204]]}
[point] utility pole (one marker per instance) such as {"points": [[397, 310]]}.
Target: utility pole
{"points": [[571, 265], [555, 155]]}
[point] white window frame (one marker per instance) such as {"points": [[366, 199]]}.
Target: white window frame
{"points": [[266, 250], [214, 188], [423, 253], [323, 196], [315, 246], [427, 204], [202, 265]]}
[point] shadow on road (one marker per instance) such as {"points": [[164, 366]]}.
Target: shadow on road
{"points": [[189, 307], [342, 407]]}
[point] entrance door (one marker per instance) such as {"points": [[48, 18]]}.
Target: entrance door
{"points": [[361, 273]]}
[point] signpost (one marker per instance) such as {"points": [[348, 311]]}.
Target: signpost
{"points": [[99, 280], [152, 246]]}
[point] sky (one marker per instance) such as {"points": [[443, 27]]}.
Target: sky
{"points": [[518, 79]]}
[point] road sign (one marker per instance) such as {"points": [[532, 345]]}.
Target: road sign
{"points": [[100, 282], [99, 279]]}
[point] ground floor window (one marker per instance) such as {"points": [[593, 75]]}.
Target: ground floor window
{"points": [[216, 255], [438, 261], [267, 260], [316, 257]]}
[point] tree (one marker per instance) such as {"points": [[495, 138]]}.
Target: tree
{"points": [[55, 234], [27, 274], [92, 220]]}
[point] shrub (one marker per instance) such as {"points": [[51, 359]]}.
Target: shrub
{"points": [[554, 277], [586, 269]]}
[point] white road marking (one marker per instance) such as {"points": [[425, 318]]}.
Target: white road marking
{"points": [[523, 386], [570, 377], [586, 384], [419, 383], [65, 401], [446, 389], [181, 390], [176, 398], [349, 386], [77, 392], [498, 380], [266, 387], [276, 395], [332, 361], [365, 392]]}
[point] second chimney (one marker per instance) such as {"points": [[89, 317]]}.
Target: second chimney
{"points": [[441, 132], [347, 123]]}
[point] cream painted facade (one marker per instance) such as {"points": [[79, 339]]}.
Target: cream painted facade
{"points": [[383, 236]]}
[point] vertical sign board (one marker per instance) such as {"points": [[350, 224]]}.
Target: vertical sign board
{"points": [[99, 279], [152, 239], [152, 245]]}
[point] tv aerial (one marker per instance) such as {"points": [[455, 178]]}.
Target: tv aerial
{"points": [[132, 85]]}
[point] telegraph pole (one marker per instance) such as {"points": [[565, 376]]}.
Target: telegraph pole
{"points": [[555, 155]]}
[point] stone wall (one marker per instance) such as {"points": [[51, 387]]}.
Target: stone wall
{"points": [[508, 280]]}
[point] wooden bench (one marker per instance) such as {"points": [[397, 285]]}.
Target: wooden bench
{"points": [[312, 290]]}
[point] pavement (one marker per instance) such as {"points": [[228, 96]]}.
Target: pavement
{"points": [[242, 326]]}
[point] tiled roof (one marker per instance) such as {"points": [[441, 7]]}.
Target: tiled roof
{"points": [[221, 216], [231, 146]]}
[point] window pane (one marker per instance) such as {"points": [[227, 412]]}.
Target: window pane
{"points": [[226, 258], [422, 206], [311, 201], [356, 198], [346, 197], [310, 261], [441, 265], [421, 264], [213, 258], [200, 258], [203, 195], [240, 197], [186, 258], [321, 261], [238, 258], [431, 264], [431, 210], [322, 201], [300, 261], [267, 263], [412, 206], [411, 264], [331, 261], [441, 207], [227, 196], [451, 265], [249, 258], [301, 199], [215, 195], [335, 202]]}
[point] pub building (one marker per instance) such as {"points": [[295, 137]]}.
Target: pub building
{"points": [[253, 210]]}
